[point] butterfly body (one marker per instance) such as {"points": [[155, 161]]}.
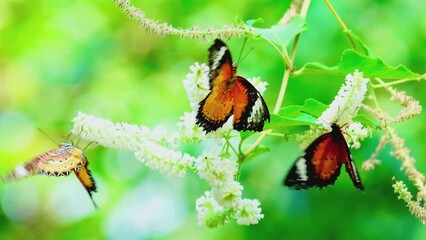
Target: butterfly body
{"points": [[319, 165], [57, 162], [230, 95]]}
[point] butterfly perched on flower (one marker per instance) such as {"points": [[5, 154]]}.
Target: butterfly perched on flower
{"points": [[319, 165], [230, 95], [57, 162]]}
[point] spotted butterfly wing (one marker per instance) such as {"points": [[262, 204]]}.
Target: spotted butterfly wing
{"points": [[230, 95], [319, 165], [60, 161]]}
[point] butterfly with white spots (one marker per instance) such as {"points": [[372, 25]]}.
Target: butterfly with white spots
{"points": [[319, 165], [57, 162], [230, 95]]}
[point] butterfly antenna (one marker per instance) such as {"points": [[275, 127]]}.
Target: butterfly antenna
{"points": [[77, 136], [241, 51], [90, 143], [251, 49], [45, 134]]}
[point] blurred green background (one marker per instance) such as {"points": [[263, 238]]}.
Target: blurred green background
{"points": [[61, 57]]}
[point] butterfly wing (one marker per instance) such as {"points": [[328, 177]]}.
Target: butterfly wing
{"points": [[351, 168], [250, 110], [56, 162], [317, 166], [60, 161], [320, 164], [220, 64], [216, 108]]}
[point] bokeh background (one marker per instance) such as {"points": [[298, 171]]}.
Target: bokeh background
{"points": [[61, 57]]}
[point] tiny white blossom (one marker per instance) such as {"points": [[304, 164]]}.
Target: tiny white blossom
{"points": [[209, 212], [166, 160], [258, 84], [222, 131], [157, 148], [355, 132], [248, 212], [347, 102], [214, 169], [196, 84], [188, 129], [229, 194], [104, 132]]}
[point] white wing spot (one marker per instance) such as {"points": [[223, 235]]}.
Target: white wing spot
{"points": [[301, 169], [218, 57], [256, 112], [20, 171], [355, 172]]}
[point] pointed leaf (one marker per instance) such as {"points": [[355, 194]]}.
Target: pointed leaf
{"points": [[360, 45], [371, 67], [366, 121], [257, 152], [282, 34]]}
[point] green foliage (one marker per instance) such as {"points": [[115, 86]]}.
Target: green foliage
{"points": [[371, 67], [69, 56], [281, 34]]}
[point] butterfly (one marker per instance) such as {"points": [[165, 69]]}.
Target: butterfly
{"points": [[230, 95], [60, 161], [319, 165]]}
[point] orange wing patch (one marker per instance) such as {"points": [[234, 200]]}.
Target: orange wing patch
{"points": [[215, 109], [230, 95], [325, 159], [320, 164], [60, 161]]}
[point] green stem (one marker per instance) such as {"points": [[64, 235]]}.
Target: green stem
{"points": [[341, 23], [283, 54], [303, 13], [383, 84], [232, 147], [373, 95]]}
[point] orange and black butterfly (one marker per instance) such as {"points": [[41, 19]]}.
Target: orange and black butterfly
{"points": [[319, 165], [230, 95], [60, 161]]}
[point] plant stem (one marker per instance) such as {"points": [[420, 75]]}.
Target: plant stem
{"points": [[383, 84], [341, 23], [286, 76]]}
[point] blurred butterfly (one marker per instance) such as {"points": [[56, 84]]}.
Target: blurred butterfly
{"points": [[230, 95], [60, 161], [319, 165]]}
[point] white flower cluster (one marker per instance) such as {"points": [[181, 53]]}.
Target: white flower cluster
{"points": [[355, 133], [158, 149], [189, 131], [224, 201], [196, 84], [345, 106], [154, 147], [258, 84], [347, 102]]}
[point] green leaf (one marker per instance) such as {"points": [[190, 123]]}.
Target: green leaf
{"points": [[297, 115], [251, 22], [282, 34], [366, 121], [245, 134], [308, 114], [371, 67], [314, 107], [257, 152], [359, 44]]}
